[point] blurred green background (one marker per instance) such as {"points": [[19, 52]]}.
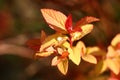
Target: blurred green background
{"points": [[21, 20]]}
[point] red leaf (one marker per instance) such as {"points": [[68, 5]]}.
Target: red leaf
{"points": [[34, 44], [68, 23], [86, 20]]}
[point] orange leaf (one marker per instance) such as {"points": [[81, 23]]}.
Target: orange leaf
{"points": [[55, 61], [55, 19], [86, 20], [42, 36]]}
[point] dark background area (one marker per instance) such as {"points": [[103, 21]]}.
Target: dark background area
{"points": [[21, 20]]}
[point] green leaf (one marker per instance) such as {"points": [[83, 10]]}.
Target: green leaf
{"points": [[113, 65], [89, 58], [63, 66]]}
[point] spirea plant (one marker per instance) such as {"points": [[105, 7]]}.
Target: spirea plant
{"points": [[61, 43]]}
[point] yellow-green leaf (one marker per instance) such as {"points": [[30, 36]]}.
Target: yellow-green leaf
{"points": [[75, 55], [55, 19], [43, 54], [113, 65], [86, 29], [81, 46], [75, 36], [95, 51], [50, 41], [89, 58], [63, 66], [115, 40], [111, 52], [100, 67]]}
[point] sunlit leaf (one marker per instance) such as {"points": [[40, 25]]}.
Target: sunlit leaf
{"points": [[81, 46], [50, 41], [100, 67], [43, 54], [113, 65], [115, 40], [86, 20], [75, 55], [85, 30], [55, 19], [63, 66], [90, 59], [75, 36], [55, 61]]}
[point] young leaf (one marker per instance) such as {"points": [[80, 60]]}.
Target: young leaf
{"points": [[55, 61], [55, 19], [113, 65], [63, 66], [68, 24], [86, 20], [90, 59]]}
